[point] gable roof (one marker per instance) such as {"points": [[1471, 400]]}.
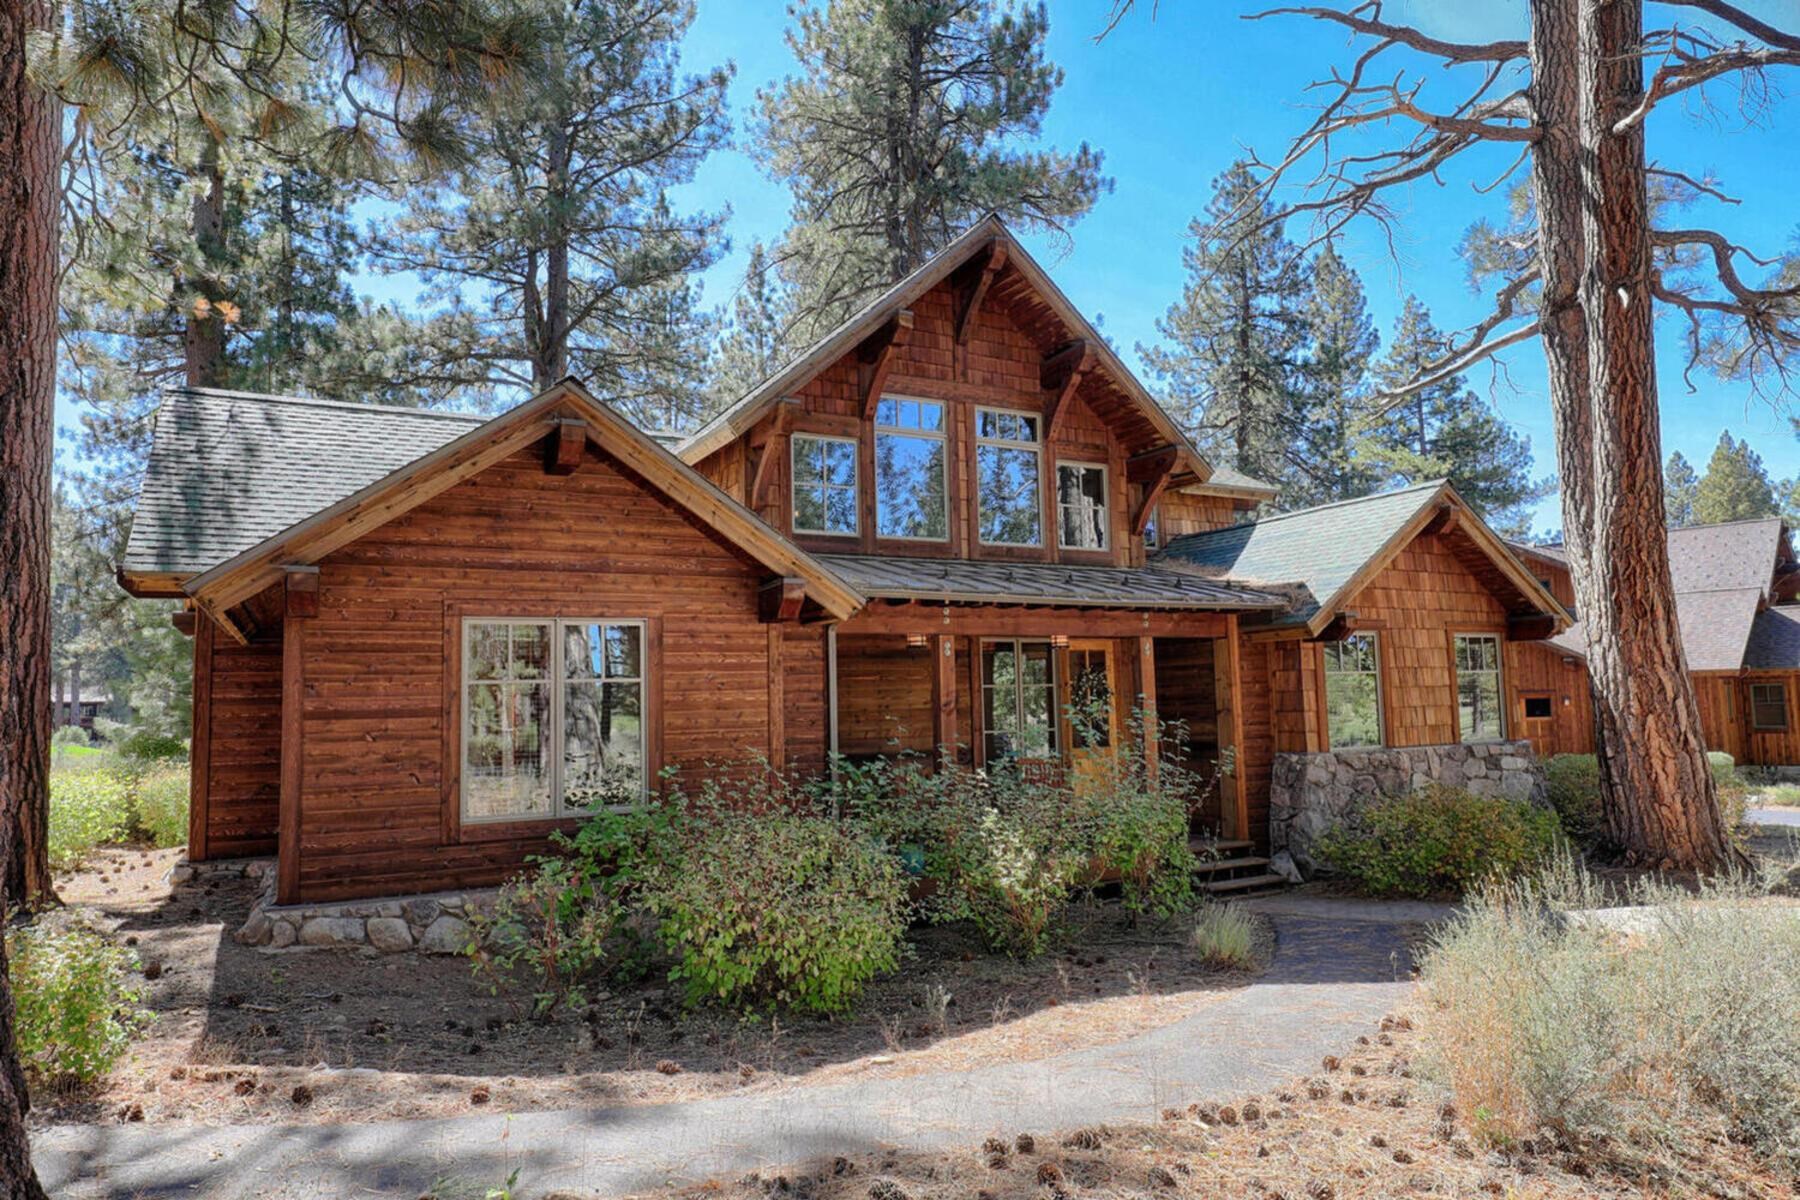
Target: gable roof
{"points": [[742, 415], [328, 493], [964, 581], [1724, 579], [1774, 643], [1325, 555]]}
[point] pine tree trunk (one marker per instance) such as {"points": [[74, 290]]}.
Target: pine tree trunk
{"points": [[28, 248], [204, 350], [74, 690], [1590, 184]]}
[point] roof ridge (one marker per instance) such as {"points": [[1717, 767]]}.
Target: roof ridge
{"points": [[321, 402], [1723, 524]]}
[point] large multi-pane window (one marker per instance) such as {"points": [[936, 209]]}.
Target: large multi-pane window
{"points": [[1081, 505], [1018, 687], [824, 484], [1353, 691], [1478, 687], [552, 717], [1768, 706], [910, 499], [1007, 463]]}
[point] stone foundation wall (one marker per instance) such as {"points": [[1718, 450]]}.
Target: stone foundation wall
{"points": [[433, 924], [1309, 793]]}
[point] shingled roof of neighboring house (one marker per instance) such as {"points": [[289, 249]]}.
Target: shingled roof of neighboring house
{"points": [[1774, 640], [1724, 576], [230, 469], [964, 581]]}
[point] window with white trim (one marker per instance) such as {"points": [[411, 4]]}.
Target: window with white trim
{"points": [[1018, 690], [1081, 505], [1353, 691], [1478, 703], [910, 497], [1768, 706], [552, 717], [824, 484], [1007, 465]]}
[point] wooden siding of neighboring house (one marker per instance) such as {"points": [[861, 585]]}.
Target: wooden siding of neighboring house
{"points": [[235, 784], [1723, 720], [1769, 747], [375, 769]]}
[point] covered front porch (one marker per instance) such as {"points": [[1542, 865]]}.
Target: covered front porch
{"points": [[989, 683]]}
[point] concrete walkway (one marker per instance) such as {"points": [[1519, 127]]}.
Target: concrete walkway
{"points": [[1331, 980], [1772, 816]]}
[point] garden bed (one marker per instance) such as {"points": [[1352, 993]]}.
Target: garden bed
{"points": [[241, 1034]]}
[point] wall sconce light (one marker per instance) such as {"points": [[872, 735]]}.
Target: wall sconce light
{"points": [[917, 641], [1060, 641]]}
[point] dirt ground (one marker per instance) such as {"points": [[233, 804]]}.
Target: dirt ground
{"points": [[244, 1035], [1367, 1126]]}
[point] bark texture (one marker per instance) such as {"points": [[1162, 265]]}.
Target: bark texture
{"points": [[28, 257], [1594, 248]]}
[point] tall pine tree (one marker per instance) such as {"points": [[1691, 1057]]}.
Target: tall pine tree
{"points": [[1446, 431], [753, 343], [1335, 379], [1680, 484], [909, 120], [555, 248], [1233, 364], [1735, 486]]}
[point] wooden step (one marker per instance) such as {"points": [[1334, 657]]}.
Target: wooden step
{"points": [[1245, 883], [1201, 845], [1215, 865]]}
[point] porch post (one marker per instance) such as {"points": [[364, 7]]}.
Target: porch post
{"points": [[1228, 692], [943, 694], [777, 700], [1147, 702]]}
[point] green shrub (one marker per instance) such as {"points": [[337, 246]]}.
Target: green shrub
{"points": [[145, 746], [71, 737], [75, 1008], [160, 805], [1724, 768], [90, 805], [1642, 1042], [1015, 871], [777, 908], [1437, 840], [550, 926], [1574, 781], [1225, 936]]}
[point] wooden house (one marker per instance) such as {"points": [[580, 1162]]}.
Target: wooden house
{"points": [[1734, 587], [423, 641]]}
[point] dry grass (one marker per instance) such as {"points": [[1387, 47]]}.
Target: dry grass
{"points": [[1364, 1126]]}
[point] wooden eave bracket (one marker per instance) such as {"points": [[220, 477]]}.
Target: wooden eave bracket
{"points": [[565, 446], [301, 585], [1154, 469], [1338, 628], [1530, 627], [877, 356], [991, 267], [217, 614], [185, 622], [1061, 375], [1447, 519], [772, 448], [781, 599]]}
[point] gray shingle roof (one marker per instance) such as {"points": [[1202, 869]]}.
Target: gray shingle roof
{"points": [[1714, 628], [1314, 551], [1711, 558], [1231, 477], [1775, 640], [1040, 583], [228, 470]]}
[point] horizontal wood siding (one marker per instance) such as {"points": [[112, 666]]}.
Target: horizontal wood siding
{"points": [[808, 733], [242, 713], [378, 713], [1179, 513], [1538, 669], [884, 696]]}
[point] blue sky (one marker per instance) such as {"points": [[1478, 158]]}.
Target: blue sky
{"points": [[1173, 100]]}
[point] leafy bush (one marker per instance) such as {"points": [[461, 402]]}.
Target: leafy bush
{"points": [[1437, 840], [1225, 936], [160, 804], [90, 804], [71, 737], [1540, 1016], [550, 925], [1138, 818], [145, 746], [1015, 871], [75, 1007], [777, 908], [1574, 781]]}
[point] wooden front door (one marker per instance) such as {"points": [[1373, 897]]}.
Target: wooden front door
{"points": [[1094, 706]]}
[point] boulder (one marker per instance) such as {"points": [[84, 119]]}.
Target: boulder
{"points": [[389, 935], [332, 931], [446, 935]]}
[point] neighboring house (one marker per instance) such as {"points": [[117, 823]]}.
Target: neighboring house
{"points": [[82, 711], [1733, 587], [424, 641]]}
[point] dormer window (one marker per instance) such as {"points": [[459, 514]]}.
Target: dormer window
{"points": [[1007, 462], [824, 485], [910, 496], [1081, 506]]}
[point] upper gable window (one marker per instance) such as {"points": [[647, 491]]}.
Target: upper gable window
{"points": [[824, 485], [1153, 529], [1081, 505], [1007, 464], [910, 498]]}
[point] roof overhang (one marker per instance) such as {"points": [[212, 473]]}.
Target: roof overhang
{"points": [[742, 416], [1443, 509], [230, 583]]}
